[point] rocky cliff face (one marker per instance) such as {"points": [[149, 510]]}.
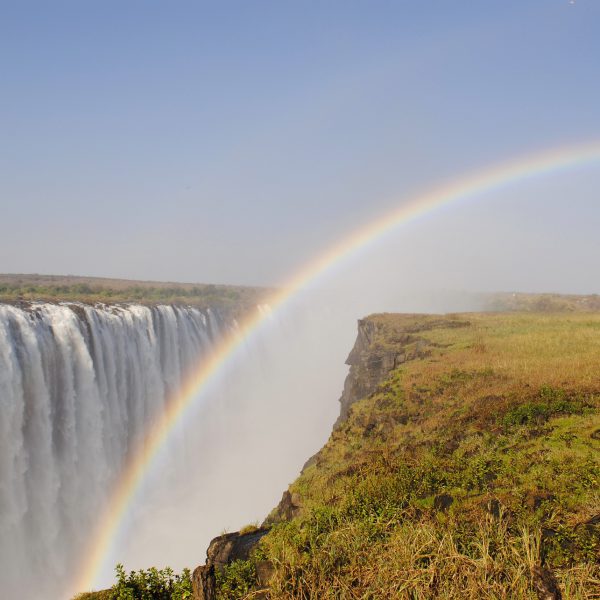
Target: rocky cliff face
{"points": [[373, 357], [224, 550]]}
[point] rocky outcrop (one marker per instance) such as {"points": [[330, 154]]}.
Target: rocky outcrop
{"points": [[372, 358], [203, 583], [222, 551], [233, 546], [288, 508]]}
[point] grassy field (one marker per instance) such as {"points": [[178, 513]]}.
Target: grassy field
{"points": [[58, 288], [471, 473]]}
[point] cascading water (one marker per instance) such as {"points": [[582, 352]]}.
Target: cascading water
{"points": [[78, 386]]}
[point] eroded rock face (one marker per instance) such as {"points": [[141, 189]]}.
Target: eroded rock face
{"points": [[370, 362], [288, 508], [222, 551], [366, 369], [233, 546], [203, 583]]}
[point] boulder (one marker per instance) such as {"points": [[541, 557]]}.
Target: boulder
{"points": [[222, 551]]}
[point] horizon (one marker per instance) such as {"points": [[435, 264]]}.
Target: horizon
{"points": [[261, 287]]}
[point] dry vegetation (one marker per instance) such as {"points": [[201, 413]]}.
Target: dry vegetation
{"points": [[472, 473]]}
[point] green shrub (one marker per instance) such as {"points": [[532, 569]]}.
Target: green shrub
{"points": [[235, 580], [152, 584], [551, 402]]}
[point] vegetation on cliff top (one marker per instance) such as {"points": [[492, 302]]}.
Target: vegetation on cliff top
{"points": [[90, 290], [471, 472]]}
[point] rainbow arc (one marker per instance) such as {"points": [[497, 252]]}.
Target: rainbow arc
{"points": [[486, 180]]}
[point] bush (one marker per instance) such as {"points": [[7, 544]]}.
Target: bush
{"points": [[551, 402], [235, 580], [152, 584]]}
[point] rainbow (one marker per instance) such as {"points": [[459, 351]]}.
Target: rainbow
{"points": [[486, 180]]}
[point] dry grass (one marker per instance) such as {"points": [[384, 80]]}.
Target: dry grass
{"points": [[422, 562]]}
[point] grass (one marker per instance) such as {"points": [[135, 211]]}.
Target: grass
{"points": [[469, 471]]}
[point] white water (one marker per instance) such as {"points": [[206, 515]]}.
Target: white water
{"points": [[78, 385]]}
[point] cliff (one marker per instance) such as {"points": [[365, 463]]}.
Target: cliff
{"points": [[380, 348], [464, 464]]}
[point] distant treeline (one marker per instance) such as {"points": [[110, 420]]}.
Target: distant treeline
{"points": [[197, 295], [522, 302]]}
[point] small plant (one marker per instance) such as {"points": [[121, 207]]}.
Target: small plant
{"points": [[250, 528]]}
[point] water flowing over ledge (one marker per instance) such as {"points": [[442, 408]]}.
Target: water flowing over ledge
{"points": [[78, 386]]}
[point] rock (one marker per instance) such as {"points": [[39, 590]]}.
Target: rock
{"points": [[368, 367], [545, 584], [222, 551], [203, 583], [443, 502], [289, 507], [264, 572], [233, 546]]}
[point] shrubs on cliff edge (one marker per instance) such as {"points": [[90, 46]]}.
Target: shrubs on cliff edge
{"points": [[152, 584], [149, 584], [235, 580]]}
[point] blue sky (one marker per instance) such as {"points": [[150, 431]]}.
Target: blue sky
{"points": [[231, 141]]}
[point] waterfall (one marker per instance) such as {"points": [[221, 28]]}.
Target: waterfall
{"points": [[78, 386]]}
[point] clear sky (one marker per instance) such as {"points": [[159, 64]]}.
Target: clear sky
{"points": [[231, 141]]}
